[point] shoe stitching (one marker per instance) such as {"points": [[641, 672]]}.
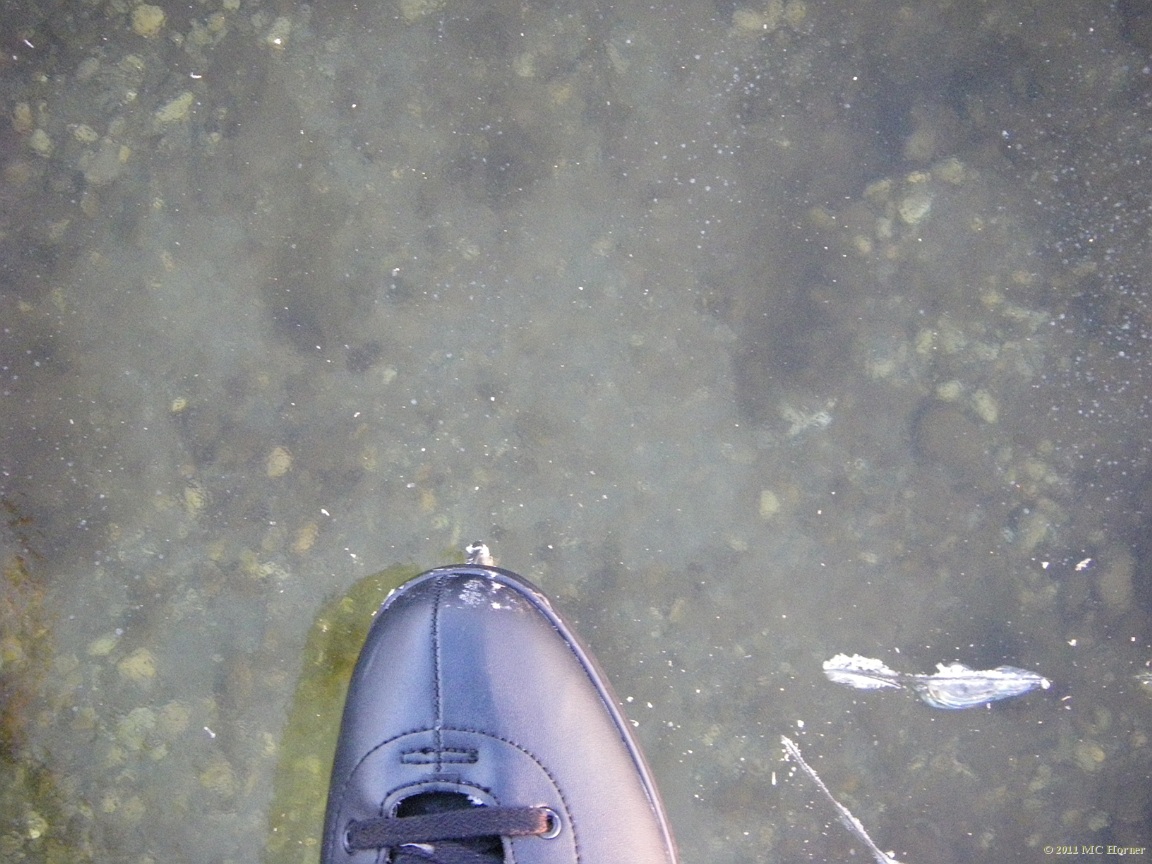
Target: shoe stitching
{"points": [[437, 700], [438, 755]]}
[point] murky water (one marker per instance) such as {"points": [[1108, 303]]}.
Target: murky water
{"points": [[753, 333]]}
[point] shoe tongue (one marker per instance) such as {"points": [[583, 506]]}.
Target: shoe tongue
{"points": [[488, 849], [424, 803]]}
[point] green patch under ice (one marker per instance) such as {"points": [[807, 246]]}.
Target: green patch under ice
{"points": [[300, 788]]}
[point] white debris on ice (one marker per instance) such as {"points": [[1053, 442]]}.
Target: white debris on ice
{"points": [[952, 686]]}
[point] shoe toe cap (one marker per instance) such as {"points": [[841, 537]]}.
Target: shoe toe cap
{"points": [[468, 676]]}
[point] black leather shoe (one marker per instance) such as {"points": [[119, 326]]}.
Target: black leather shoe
{"points": [[479, 729]]}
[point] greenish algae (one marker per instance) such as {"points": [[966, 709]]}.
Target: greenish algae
{"points": [[300, 787], [36, 821]]}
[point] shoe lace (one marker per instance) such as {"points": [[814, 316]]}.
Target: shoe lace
{"points": [[449, 837]]}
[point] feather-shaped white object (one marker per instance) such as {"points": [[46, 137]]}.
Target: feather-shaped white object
{"points": [[957, 686], [863, 673], [952, 686]]}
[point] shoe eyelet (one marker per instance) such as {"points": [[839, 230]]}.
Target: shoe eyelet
{"points": [[346, 838], [555, 826]]}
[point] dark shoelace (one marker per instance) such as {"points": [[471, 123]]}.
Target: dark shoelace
{"points": [[448, 837]]}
